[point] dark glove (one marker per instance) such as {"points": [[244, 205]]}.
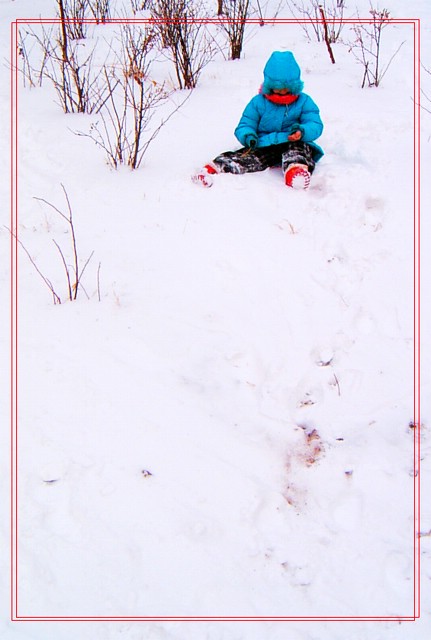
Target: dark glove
{"points": [[251, 140]]}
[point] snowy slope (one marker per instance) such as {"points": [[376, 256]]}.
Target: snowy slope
{"points": [[227, 431]]}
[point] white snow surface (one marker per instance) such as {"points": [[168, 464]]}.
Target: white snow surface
{"points": [[226, 432]]}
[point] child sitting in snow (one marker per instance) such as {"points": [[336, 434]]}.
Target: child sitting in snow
{"points": [[278, 128]]}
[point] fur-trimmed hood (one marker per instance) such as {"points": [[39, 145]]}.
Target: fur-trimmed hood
{"points": [[282, 72]]}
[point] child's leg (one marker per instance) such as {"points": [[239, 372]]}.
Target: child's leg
{"points": [[250, 160], [242, 161], [298, 165], [247, 160], [298, 153]]}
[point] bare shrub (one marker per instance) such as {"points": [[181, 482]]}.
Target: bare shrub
{"points": [[76, 13], [60, 54], [140, 5], [367, 47], [75, 271], [233, 21], [183, 32], [67, 63], [100, 10], [309, 16], [123, 129], [33, 57], [72, 14]]}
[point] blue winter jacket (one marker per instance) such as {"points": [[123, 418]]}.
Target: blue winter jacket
{"points": [[267, 123]]}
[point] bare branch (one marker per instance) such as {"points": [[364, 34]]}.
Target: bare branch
{"points": [[98, 282], [183, 32], [311, 11], [73, 287], [367, 47], [123, 130], [383, 73], [74, 247], [78, 281], [69, 286], [52, 206], [326, 35], [48, 283]]}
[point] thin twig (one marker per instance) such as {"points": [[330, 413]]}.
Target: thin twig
{"points": [[82, 273], [382, 74], [66, 268], [52, 206], [74, 247], [69, 220], [48, 283], [98, 282]]}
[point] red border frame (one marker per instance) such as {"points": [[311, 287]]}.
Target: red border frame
{"points": [[15, 617]]}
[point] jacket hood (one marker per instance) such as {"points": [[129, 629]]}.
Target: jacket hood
{"points": [[282, 72]]}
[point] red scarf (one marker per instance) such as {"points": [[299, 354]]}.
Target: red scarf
{"points": [[277, 99]]}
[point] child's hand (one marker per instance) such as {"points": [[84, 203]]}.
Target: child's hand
{"points": [[251, 140], [297, 135]]}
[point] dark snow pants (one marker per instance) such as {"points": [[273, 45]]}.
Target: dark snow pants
{"points": [[247, 160]]}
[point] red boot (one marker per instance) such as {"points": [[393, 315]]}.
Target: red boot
{"points": [[203, 176], [297, 176]]}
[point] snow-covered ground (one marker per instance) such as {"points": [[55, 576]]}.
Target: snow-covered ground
{"points": [[227, 431]]}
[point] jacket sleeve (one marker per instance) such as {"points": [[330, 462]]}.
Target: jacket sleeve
{"points": [[311, 125], [248, 125]]}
